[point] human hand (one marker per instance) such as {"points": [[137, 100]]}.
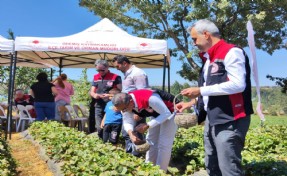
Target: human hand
{"points": [[141, 128], [97, 96], [180, 107], [191, 92], [102, 125], [134, 138], [137, 117], [105, 97]]}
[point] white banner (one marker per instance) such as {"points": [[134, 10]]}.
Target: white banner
{"points": [[253, 63]]}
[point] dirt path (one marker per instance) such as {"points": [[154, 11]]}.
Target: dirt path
{"points": [[27, 157]]}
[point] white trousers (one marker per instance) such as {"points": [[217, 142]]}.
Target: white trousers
{"points": [[162, 137]]}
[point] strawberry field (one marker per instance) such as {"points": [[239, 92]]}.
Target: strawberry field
{"points": [[76, 153]]}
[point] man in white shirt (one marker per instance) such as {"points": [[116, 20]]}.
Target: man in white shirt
{"points": [[226, 92]]}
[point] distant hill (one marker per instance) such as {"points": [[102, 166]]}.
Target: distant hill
{"points": [[273, 100]]}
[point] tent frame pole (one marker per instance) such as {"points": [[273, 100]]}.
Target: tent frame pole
{"points": [[12, 75], [164, 66]]}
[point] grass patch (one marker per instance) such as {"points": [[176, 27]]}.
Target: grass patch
{"points": [[269, 120]]}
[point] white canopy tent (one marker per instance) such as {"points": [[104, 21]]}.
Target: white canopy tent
{"points": [[104, 40], [6, 46]]}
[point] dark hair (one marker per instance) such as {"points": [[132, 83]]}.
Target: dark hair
{"points": [[121, 98], [120, 59], [114, 91], [41, 77]]}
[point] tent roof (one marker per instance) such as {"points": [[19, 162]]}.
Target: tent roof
{"points": [[6, 45], [104, 40], [6, 48]]}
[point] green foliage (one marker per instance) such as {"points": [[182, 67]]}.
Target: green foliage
{"points": [[24, 77], [188, 151], [282, 82], [7, 162], [82, 89], [265, 151], [272, 99], [170, 19], [83, 154]]}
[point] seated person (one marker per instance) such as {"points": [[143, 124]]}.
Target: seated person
{"points": [[25, 99], [112, 121]]}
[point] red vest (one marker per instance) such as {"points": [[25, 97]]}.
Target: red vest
{"points": [[142, 97]]}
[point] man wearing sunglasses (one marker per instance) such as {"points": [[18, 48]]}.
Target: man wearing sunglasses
{"points": [[103, 82]]}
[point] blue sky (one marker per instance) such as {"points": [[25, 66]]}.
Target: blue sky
{"points": [[61, 18]]}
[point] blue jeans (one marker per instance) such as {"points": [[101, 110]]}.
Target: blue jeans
{"points": [[57, 112], [223, 145], [45, 110]]}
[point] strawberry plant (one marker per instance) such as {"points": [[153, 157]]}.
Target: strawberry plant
{"points": [[83, 154], [265, 152], [7, 163]]}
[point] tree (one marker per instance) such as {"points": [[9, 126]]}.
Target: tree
{"points": [[282, 82], [82, 88], [175, 88], [165, 19], [23, 79], [24, 76]]}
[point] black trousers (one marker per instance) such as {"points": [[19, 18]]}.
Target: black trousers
{"points": [[112, 132]]}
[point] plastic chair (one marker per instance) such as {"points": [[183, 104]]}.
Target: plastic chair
{"points": [[81, 111], [3, 117], [65, 119], [75, 119], [84, 110], [24, 116]]}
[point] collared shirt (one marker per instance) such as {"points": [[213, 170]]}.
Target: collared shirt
{"points": [[135, 78]]}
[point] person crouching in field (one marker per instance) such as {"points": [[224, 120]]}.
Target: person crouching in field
{"points": [[161, 129], [112, 121]]}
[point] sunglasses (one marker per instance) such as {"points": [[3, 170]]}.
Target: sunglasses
{"points": [[101, 70]]}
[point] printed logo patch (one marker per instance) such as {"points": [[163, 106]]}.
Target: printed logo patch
{"points": [[110, 83], [214, 67]]}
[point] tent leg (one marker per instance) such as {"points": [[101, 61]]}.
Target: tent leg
{"points": [[168, 79], [51, 74], [10, 94], [164, 66]]}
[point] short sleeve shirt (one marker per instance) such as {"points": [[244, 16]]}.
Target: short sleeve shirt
{"points": [[112, 116], [43, 91]]}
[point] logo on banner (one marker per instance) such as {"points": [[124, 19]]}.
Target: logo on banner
{"points": [[144, 46], [36, 44], [35, 41]]}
